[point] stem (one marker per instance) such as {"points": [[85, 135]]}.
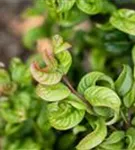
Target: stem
{"points": [[65, 79]]}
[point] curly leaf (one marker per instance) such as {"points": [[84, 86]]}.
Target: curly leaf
{"points": [[64, 116], [91, 79], [65, 61], [76, 102], [124, 20], [62, 55], [53, 92], [104, 97], [45, 77], [91, 7], [124, 82], [95, 138], [65, 5]]}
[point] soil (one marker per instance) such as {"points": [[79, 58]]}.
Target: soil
{"points": [[10, 43]]}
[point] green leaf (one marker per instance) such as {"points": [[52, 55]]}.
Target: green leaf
{"points": [[64, 5], [4, 76], [104, 97], [64, 116], [95, 138], [117, 146], [65, 60], [133, 58], [93, 7], [124, 82], [131, 138], [47, 78], [124, 20], [53, 92], [115, 137], [12, 116], [76, 102], [43, 120], [91, 79], [20, 73], [129, 98], [98, 59], [62, 55]]}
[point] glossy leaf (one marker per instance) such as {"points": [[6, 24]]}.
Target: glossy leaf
{"points": [[46, 78], [91, 79], [124, 20], [95, 138], [125, 80], [64, 116], [104, 97], [53, 92], [76, 102]]}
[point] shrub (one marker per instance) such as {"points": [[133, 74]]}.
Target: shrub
{"points": [[91, 105]]}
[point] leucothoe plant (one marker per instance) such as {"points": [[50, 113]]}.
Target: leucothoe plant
{"points": [[106, 105], [105, 34], [22, 113]]}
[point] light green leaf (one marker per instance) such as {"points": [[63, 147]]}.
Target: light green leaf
{"points": [[133, 58], [4, 76], [62, 55], [124, 20], [95, 138], [104, 97], [52, 92], [91, 79], [124, 82], [129, 98], [65, 60], [64, 116], [65, 5], [115, 137], [93, 7], [76, 102], [46, 78]]}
